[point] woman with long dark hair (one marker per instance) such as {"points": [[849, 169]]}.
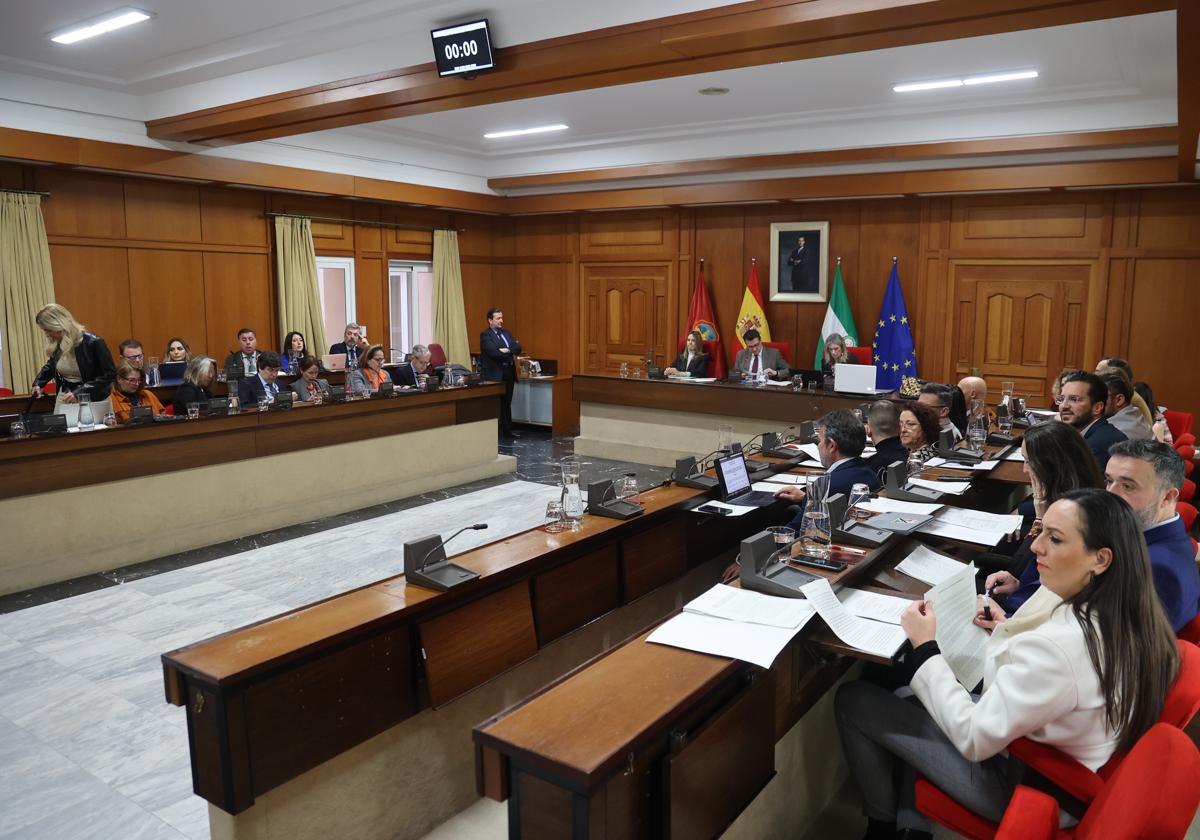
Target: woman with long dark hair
{"points": [[1057, 460], [1085, 666]]}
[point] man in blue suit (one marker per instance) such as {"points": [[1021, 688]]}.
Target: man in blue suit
{"points": [[1148, 474], [261, 385], [841, 439], [1084, 398], [498, 351]]}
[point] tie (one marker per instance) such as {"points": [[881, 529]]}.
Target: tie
{"points": [[249, 362], [754, 363], [500, 335]]}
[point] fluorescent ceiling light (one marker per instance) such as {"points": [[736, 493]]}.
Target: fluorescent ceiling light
{"points": [[983, 79], [98, 26], [537, 129]]}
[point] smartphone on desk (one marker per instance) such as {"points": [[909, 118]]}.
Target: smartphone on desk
{"points": [[719, 511], [816, 563]]}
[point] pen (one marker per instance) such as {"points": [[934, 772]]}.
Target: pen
{"points": [[848, 550], [987, 608]]}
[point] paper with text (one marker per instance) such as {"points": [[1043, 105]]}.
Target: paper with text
{"points": [[957, 488], [869, 636], [735, 604], [882, 505], [874, 605], [959, 639], [755, 643], [927, 565]]}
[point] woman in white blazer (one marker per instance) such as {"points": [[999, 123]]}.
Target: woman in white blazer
{"points": [[1084, 665]]}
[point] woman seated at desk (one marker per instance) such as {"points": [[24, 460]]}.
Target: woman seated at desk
{"points": [[919, 429], [693, 360], [294, 349], [197, 377], [1084, 666], [130, 393], [834, 353], [309, 386], [371, 375], [177, 351]]}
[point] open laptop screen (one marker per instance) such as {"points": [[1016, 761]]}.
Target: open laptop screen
{"points": [[733, 475]]}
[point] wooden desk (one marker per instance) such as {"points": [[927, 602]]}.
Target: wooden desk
{"points": [[196, 463], [654, 421], [546, 401], [270, 701]]}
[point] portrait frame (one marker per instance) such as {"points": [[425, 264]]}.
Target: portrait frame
{"points": [[785, 287]]}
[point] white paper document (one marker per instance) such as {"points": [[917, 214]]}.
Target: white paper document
{"points": [[787, 478], [697, 380], [927, 565], [882, 505], [963, 534], [869, 636], [943, 464], [1015, 455], [756, 643], [809, 449], [957, 488], [960, 640], [736, 604], [874, 605], [972, 526], [768, 486]]}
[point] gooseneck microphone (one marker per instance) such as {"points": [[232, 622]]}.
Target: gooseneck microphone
{"points": [[478, 526]]}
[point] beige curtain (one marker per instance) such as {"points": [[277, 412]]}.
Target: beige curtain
{"points": [[299, 297], [449, 315], [27, 284]]}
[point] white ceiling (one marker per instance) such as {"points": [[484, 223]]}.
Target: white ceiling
{"points": [[1094, 76]]}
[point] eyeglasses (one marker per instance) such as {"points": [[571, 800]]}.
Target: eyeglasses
{"points": [[131, 379], [135, 356]]}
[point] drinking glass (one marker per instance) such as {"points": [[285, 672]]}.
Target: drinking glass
{"points": [[977, 432], [16, 430], [222, 376], [915, 464], [1006, 391], [318, 397], [724, 437], [623, 371], [858, 414], [782, 535], [555, 517], [233, 404], [264, 403], [1004, 421], [110, 420], [193, 410], [860, 494], [627, 486]]}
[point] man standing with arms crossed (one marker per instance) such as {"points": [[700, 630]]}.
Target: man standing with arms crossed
{"points": [[498, 351]]}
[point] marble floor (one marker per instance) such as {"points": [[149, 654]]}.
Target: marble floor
{"points": [[88, 746]]}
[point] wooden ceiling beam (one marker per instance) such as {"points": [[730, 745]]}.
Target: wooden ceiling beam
{"points": [[1026, 144], [743, 35]]}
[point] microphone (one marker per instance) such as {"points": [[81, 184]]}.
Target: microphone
{"points": [[479, 526]]}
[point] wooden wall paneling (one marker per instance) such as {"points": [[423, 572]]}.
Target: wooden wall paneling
{"points": [[541, 235], [234, 217], [572, 289], [328, 237], [646, 232], [593, 318], [12, 176], [720, 242], [1038, 222], [368, 239], [687, 265], [478, 296], [539, 301], [166, 293], [371, 299], [93, 283], [1162, 312], [82, 204], [1168, 219], [412, 242], [633, 303], [164, 211], [478, 234], [569, 596], [238, 293]]}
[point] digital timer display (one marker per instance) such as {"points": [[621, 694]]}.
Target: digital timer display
{"points": [[463, 48]]}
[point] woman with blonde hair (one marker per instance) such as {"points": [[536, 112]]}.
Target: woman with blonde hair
{"points": [[80, 364], [834, 353]]}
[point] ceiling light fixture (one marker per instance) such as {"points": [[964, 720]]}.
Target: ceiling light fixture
{"points": [[537, 129], [98, 26], [983, 79], [713, 91]]}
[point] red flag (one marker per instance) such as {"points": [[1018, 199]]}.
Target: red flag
{"points": [[704, 321]]}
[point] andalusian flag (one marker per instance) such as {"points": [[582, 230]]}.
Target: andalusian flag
{"points": [[838, 318], [752, 315]]}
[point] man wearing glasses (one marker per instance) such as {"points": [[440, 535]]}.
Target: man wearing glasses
{"points": [[1082, 404]]}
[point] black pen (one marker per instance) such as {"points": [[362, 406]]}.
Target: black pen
{"points": [[987, 608]]}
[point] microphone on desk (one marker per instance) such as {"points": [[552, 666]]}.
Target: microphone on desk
{"points": [[441, 574]]}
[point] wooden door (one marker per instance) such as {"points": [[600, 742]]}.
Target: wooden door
{"points": [[624, 314], [1021, 321]]}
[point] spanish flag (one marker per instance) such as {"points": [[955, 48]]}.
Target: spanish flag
{"points": [[752, 315]]}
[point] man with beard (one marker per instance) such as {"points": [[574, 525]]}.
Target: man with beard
{"points": [[1084, 399]]}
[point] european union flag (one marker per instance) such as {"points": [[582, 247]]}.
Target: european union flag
{"points": [[893, 350]]}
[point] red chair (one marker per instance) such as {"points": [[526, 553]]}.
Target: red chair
{"points": [[1154, 794], [1183, 701], [1190, 632], [1183, 440], [169, 409], [1188, 491], [860, 355], [437, 356], [706, 346], [1187, 452], [1187, 512], [6, 392], [1179, 422], [784, 348]]}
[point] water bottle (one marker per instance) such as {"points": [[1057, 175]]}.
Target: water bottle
{"points": [[87, 420], [572, 496]]}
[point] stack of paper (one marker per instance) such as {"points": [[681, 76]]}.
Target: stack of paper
{"points": [[737, 623], [927, 565], [882, 505], [874, 605], [973, 526], [961, 641], [980, 466], [873, 637], [1015, 455], [955, 487], [809, 449]]}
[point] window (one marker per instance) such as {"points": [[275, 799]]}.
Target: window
{"points": [[410, 294], [335, 282]]}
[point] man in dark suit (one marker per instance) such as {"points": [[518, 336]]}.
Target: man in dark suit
{"points": [[755, 358], [252, 389], [352, 344], [1084, 398], [416, 370], [840, 441], [498, 351], [883, 425], [803, 259], [243, 361]]}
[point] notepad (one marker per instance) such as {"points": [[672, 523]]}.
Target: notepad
{"points": [[759, 644]]}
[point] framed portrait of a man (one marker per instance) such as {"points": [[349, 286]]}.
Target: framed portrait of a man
{"points": [[800, 262]]}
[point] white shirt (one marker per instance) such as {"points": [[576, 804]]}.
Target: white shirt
{"points": [[1038, 682]]}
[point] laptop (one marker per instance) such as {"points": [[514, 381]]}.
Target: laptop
{"points": [[334, 361], [733, 482], [855, 379], [171, 373]]}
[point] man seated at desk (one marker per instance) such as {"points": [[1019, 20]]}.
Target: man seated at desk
{"points": [[840, 441], [414, 373], [352, 345], [883, 427], [245, 360], [755, 358], [253, 389]]}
